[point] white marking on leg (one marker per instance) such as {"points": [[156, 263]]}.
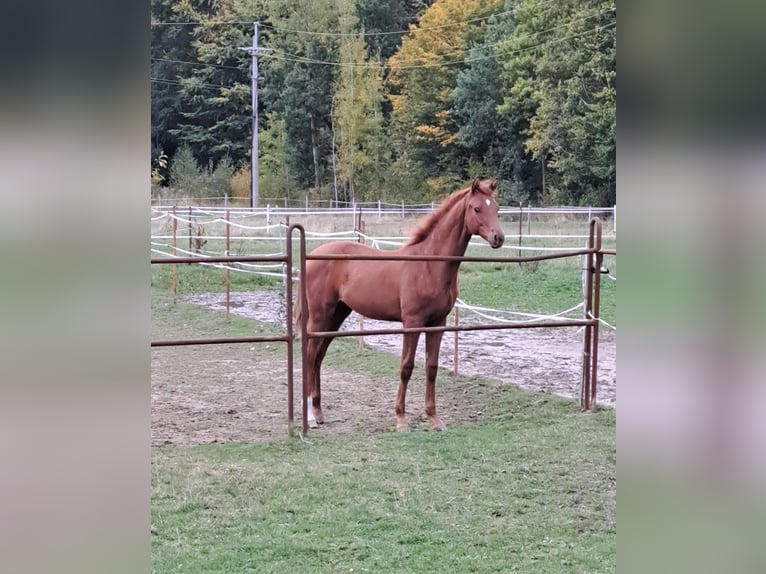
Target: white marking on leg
{"points": [[310, 411]]}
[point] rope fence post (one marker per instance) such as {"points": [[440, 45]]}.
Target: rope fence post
{"points": [[521, 217], [173, 267], [361, 317], [595, 223], [586, 383], [457, 324], [190, 228], [529, 219], [226, 269]]}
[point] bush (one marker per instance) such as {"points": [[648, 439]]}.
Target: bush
{"points": [[185, 172], [240, 186], [219, 180], [188, 179]]}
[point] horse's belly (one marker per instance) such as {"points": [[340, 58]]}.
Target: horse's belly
{"points": [[380, 308], [372, 294]]}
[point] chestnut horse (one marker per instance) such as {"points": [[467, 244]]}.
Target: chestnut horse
{"points": [[417, 293]]}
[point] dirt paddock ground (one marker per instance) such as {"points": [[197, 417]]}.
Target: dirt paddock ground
{"points": [[227, 393]]}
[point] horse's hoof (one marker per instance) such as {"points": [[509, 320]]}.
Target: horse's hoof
{"points": [[439, 426], [313, 424], [320, 418], [403, 428]]}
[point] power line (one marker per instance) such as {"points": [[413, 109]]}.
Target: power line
{"points": [[335, 34], [411, 62], [308, 32], [186, 82], [504, 53], [205, 23], [286, 56], [198, 64], [374, 34]]}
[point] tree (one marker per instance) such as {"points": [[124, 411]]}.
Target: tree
{"points": [[357, 117], [493, 141], [298, 84], [351, 108], [560, 65], [274, 175], [201, 80], [380, 20], [422, 76], [216, 96], [170, 44]]}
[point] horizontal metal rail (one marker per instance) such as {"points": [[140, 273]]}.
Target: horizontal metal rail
{"points": [[447, 328], [219, 341], [384, 257], [221, 259]]}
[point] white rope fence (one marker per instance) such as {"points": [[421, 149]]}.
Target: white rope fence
{"points": [[215, 214], [239, 267], [535, 317], [269, 269]]}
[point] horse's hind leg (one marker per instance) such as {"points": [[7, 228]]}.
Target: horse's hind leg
{"points": [[317, 354], [409, 346], [433, 344], [312, 350]]}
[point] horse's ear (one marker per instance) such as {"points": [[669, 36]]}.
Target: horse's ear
{"points": [[493, 184], [475, 186]]}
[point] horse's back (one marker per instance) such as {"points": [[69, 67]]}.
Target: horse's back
{"points": [[343, 248]]}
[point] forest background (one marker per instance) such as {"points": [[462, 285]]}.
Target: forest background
{"points": [[393, 100]]}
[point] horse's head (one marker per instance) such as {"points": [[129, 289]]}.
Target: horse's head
{"points": [[481, 212]]}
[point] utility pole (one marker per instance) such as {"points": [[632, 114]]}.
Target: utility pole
{"points": [[255, 50]]}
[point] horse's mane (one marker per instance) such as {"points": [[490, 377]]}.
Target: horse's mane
{"points": [[426, 226]]}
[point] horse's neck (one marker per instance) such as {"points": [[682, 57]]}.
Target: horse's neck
{"points": [[448, 237]]}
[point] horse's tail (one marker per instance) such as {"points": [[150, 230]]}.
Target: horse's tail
{"points": [[297, 313]]}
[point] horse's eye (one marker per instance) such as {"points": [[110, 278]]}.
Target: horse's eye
{"points": [[477, 209]]}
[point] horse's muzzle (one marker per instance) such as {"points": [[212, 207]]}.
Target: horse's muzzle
{"points": [[496, 239]]}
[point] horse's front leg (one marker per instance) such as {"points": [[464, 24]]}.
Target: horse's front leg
{"points": [[433, 344], [409, 346]]}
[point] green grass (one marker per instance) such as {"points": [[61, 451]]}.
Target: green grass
{"points": [[531, 490]]}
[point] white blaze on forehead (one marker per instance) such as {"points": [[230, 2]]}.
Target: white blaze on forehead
{"points": [[487, 201]]}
